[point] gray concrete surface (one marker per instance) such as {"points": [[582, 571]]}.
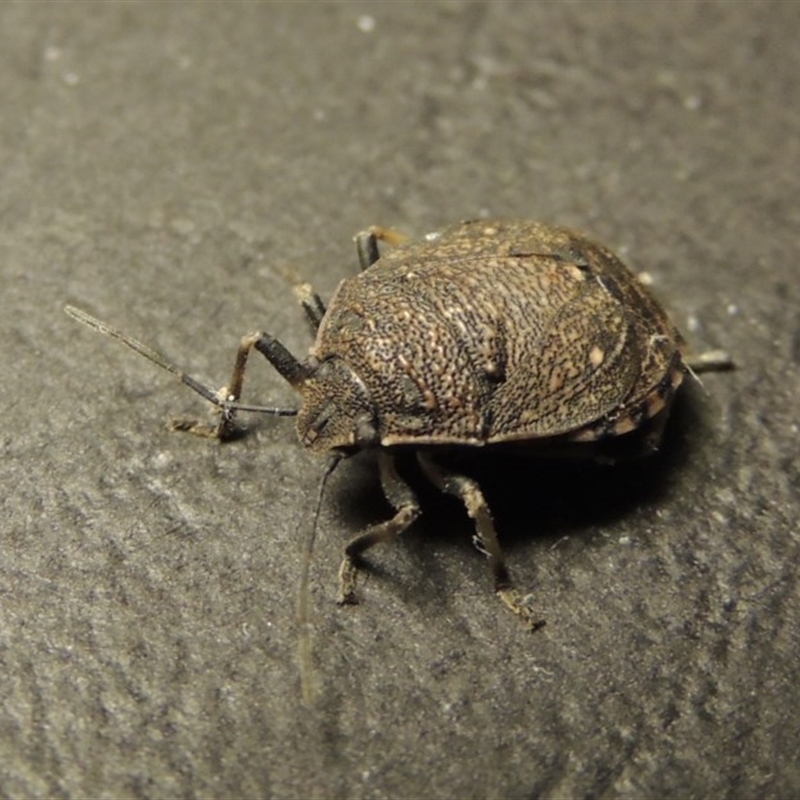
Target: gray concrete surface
{"points": [[164, 165]]}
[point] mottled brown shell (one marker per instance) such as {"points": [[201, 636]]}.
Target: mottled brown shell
{"points": [[503, 331]]}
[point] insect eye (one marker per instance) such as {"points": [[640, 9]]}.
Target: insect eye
{"points": [[316, 422], [322, 419]]}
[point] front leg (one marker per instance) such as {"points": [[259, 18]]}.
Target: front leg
{"points": [[407, 509], [287, 365], [226, 399]]}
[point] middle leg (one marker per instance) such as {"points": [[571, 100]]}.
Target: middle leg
{"points": [[367, 243], [485, 538]]}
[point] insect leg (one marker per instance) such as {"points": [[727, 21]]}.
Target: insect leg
{"points": [[311, 302], [280, 358], [470, 494], [225, 402], [367, 243], [407, 509], [709, 361]]}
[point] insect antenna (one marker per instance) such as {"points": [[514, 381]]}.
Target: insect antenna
{"points": [[303, 607], [142, 349]]}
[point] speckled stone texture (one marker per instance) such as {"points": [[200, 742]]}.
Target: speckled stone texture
{"points": [[168, 167]]}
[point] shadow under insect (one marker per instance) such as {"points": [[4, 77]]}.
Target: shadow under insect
{"points": [[533, 497]]}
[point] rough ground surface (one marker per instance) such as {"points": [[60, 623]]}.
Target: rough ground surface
{"points": [[164, 166]]}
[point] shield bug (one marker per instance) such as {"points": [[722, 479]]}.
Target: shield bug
{"points": [[491, 333]]}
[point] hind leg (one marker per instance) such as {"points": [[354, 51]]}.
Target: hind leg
{"points": [[708, 361]]}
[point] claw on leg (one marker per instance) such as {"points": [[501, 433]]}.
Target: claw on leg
{"points": [[223, 430], [522, 607], [348, 576]]}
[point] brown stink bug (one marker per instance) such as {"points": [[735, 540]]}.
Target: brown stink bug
{"points": [[490, 333]]}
